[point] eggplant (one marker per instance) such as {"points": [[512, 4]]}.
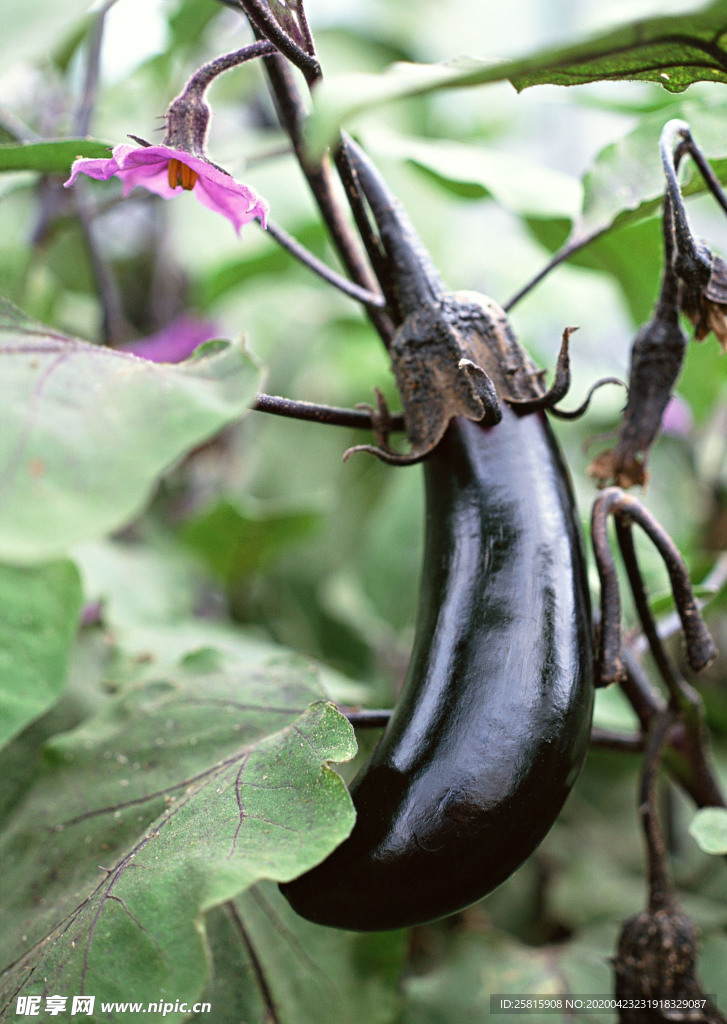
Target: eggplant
{"points": [[493, 721]]}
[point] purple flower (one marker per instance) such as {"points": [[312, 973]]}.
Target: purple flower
{"points": [[91, 613], [677, 418], [174, 342], [163, 170]]}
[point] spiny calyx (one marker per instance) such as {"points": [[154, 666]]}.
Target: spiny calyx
{"points": [[459, 357]]}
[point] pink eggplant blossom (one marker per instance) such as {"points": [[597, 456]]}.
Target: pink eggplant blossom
{"points": [[677, 418], [166, 172], [174, 342]]}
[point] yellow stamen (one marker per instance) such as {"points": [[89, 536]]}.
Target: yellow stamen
{"points": [[173, 173], [189, 177], [180, 174]]}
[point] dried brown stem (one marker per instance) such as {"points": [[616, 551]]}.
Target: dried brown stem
{"points": [[661, 891], [610, 665], [627, 510], [364, 718]]}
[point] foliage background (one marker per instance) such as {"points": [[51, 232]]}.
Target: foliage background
{"points": [[263, 537]]}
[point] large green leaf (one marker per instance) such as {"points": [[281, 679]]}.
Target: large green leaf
{"points": [[39, 612], [179, 795], [266, 959], [626, 180], [237, 542], [623, 188], [149, 598], [674, 51], [85, 691], [86, 431], [475, 172], [478, 973], [50, 156]]}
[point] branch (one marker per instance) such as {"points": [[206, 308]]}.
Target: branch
{"points": [[362, 718], [267, 26], [370, 299], [334, 415], [292, 114]]}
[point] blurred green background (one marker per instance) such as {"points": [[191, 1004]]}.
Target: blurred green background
{"points": [[265, 527]]}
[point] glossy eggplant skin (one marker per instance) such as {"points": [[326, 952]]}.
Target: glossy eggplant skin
{"points": [[491, 728]]}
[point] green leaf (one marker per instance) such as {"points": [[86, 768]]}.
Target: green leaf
{"points": [[39, 612], [179, 795], [236, 543], [86, 431], [709, 828], [31, 26], [155, 623], [474, 172], [86, 690], [674, 51], [477, 967], [187, 24], [612, 711], [704, 380], [263, 953], [52, 156], [256, 260], [626, 181], [623, 188], [663, 603]]}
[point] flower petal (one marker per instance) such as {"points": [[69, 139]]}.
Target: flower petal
{"points": [[147, 166], [101, 169], [176, 341], [677, 418], [235, 201]]}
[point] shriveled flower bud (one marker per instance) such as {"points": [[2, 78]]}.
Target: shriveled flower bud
{"points": [[656, 960], [702, 275], [656, 360], [703, 296]]}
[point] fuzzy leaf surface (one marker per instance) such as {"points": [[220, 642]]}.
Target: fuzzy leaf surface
{"points": [[626, 182], [40, 607], [86, 431], [179, 795], [268, 960]]}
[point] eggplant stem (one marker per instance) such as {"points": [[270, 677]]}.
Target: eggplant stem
{"points": [[661, 889], [610, 665], [260, 17], [607, 739], [354, 291], [292, 114], [362, 418], [365, 718]]}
